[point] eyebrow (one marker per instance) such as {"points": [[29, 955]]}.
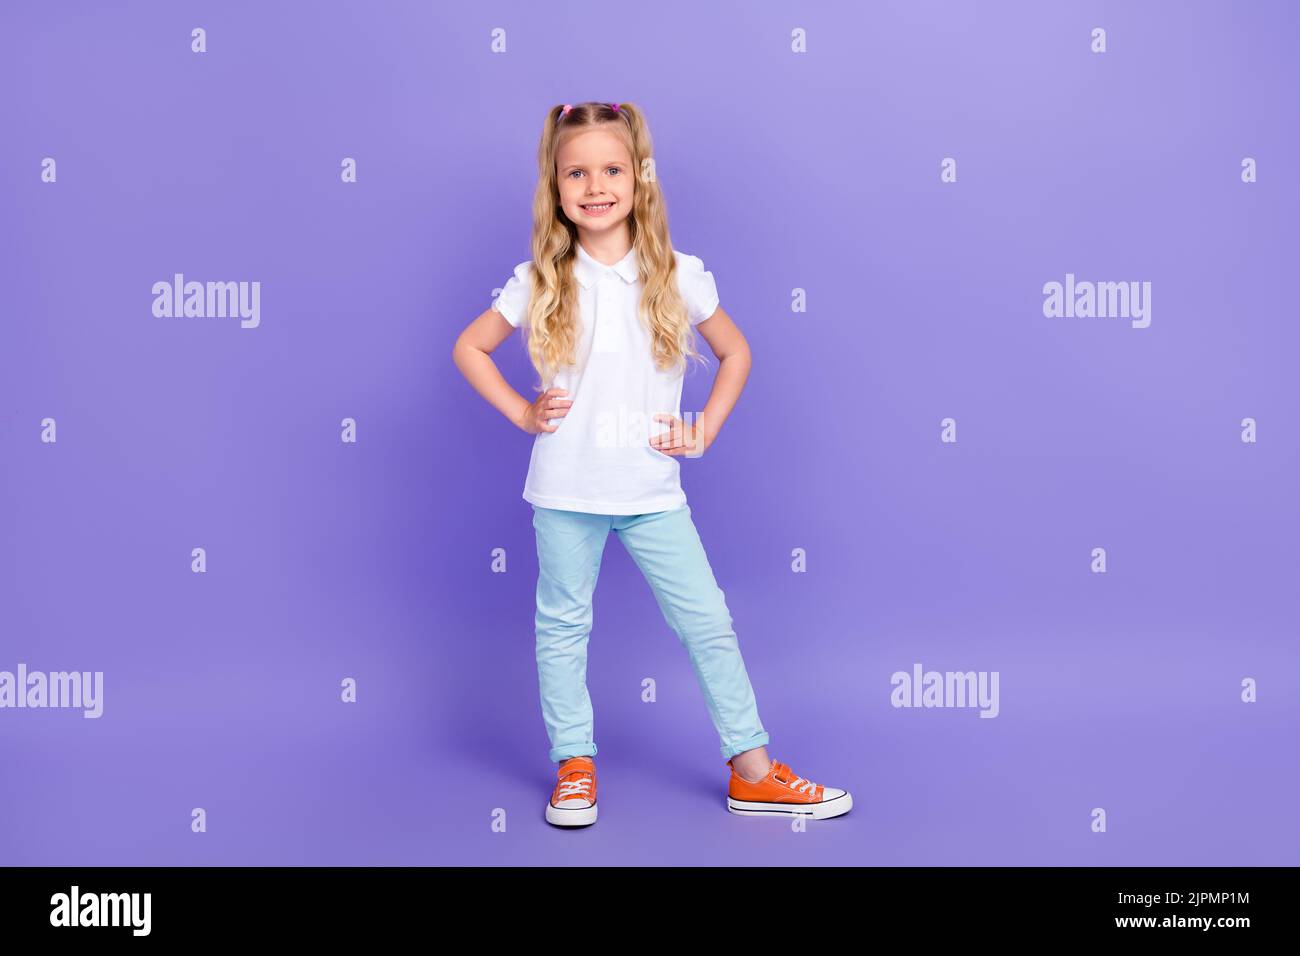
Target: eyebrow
{"points": [[612, 162]]}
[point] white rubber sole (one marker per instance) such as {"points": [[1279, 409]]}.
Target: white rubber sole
{"points": [[567, 817], [834, 807]]}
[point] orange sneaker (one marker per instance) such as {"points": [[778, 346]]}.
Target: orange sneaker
{"points": [[782, 794], [573, 803]]}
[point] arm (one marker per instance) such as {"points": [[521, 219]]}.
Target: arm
{"points": [[732, 350], [472, 354]]}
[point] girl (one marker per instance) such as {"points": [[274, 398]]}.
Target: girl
{"points": [[608, 308]]}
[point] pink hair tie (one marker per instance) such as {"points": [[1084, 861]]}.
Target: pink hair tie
{"points": [[567, 107], [614, 107]]}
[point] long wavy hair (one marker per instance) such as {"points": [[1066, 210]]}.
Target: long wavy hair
{"points": [[552, 331]]}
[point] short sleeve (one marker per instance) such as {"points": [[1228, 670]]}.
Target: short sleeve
{"points": [[697, 287], [512, 302]]}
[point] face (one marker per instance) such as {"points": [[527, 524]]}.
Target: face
{"points": [[594, 169]]}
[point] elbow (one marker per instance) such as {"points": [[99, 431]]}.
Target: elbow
{"points": [[463, 349], [740, 355]]}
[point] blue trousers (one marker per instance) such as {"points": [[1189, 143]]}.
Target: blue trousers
{"points": [[666, 547]]}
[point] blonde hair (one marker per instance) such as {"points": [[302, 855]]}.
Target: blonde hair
{"points": [[552, 328]]}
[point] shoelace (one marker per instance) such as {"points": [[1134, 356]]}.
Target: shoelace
{"points": [[800, 784], [570, 788], [803, 784]]}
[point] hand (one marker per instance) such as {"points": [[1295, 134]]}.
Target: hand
{"points": [[682, 439], [549, 405]]}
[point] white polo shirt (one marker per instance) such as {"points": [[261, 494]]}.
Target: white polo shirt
{"points": [[599, 459]]}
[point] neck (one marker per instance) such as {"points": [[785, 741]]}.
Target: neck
{"points": [[607, 247]]}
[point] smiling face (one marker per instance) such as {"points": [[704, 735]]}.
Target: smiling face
{"points": [[593, 170]]}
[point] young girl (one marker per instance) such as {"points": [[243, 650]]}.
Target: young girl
{"points": [[608, 308]]}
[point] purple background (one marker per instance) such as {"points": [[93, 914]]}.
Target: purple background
{"points": [[818, 171]]}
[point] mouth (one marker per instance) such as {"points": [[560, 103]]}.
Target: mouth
{"points": [[596, 209]]}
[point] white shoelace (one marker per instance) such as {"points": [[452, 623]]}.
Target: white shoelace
{"points": [[572, 788], [800, 784]]}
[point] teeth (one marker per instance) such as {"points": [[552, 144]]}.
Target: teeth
{"points": [[598, 208]]}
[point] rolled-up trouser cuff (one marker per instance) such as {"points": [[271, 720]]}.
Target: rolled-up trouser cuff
{"points": [[758, 740], [562, 753]]}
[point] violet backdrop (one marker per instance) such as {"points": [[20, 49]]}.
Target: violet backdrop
{"points": [[818, 171]]}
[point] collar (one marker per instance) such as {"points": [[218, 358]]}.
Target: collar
{"points": [[588, 270]]}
